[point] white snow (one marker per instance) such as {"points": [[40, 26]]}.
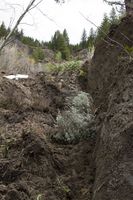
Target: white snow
{"points": [[17, 76]]}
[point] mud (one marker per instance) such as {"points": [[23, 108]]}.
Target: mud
{"points": [[32, 166]]}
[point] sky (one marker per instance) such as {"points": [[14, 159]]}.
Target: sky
{"points": [[48, 17]]}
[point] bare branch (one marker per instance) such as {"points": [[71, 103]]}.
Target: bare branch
{"points": [[13, 15], [128, 4], [110, 44], [11, 22], [36, 5], [2, 9], [27, 24], [117, 3], [126, 37], [30, 5], [45, 15], [10, 41]]}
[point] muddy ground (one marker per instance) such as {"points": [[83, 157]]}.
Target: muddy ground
{"points": [[32, 166]]}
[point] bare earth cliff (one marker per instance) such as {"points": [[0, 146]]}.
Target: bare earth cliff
{"points": [[110, 81]]}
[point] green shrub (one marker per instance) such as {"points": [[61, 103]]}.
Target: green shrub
{"points": [[38, 54], [58, 56], [66, 66], [73, 65], [129, 49], [73, 124], [54, 67]]}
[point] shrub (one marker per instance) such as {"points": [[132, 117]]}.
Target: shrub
{"points": [[73, 65], [73, 124], [66, 66], [129, 49], [58, 56], [38, 54]]}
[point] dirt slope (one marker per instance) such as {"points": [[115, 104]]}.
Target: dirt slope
{"points": [[31, 165], [110, 81]]}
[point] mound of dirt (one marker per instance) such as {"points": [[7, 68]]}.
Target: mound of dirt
{"points": [[31, 166], [27, 163], [33, 93]]}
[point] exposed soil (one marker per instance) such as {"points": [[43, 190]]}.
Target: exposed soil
{"points": [[110, 81], [34, 167], [31, 165]]}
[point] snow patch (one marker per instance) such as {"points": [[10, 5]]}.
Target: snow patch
{"points": [[17, 76]]}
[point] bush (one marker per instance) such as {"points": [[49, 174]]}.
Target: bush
{"points": [[73, 124], [73, 65], [66, 66], [38, 54], [58, 56]]}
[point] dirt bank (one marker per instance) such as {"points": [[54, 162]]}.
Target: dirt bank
{"points": [[110, 81]]}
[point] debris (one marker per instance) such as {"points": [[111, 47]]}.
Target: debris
{"points": [[17, 76]]}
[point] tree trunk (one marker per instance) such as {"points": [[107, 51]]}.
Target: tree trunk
{"points": [[129, 7]]}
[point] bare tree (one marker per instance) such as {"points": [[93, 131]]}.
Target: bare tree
{"points": [[32, 4], [129, 6], [117, 3], [127, 3]]}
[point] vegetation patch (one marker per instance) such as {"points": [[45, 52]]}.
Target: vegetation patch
{"points": [[66, 66], [73, 124], [38, 54]]}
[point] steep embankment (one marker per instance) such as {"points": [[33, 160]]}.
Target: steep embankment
{"points": [[110, 81]]}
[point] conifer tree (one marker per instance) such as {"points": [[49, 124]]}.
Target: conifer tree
{"points": [[103, 29], [65, 35], [58, 43], [21, 33], [54, 40], [113, 16], [91, 39], [17, 34], [63, 48], [38, 54], [3, 31], [84, 39]]}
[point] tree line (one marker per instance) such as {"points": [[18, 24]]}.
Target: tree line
{"points": [[60, 42], [126, 4]]}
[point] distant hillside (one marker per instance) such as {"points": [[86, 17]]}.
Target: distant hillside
{"points": [[18, 57]]}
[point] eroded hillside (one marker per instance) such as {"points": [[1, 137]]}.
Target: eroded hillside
{"points": [[110, 81], [36, 165]]}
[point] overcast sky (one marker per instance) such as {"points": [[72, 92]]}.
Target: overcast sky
{"points": [[62, 16]]}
